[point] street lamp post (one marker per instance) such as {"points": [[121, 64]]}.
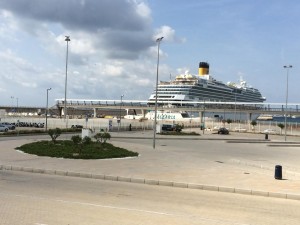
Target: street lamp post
{"points": [[203, 125], [12, 103], [158, 40], [17, 110], [235, 106], [65, 103], [286, 97], [48, 89], [120, 111]]}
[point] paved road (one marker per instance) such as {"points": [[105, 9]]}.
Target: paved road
{"points": [[35, 199], [208, 159]]}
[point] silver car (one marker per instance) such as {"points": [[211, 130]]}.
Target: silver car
{"points": [[9, 125], [3, 128]]}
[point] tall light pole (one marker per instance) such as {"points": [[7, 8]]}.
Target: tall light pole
{"points": [[48, 89], [286, 97], [158, 40], [203, 125], [67, 54], [17, 110], [120, 111]]}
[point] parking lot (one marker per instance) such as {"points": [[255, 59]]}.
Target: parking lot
{"points": [[238, 160]]}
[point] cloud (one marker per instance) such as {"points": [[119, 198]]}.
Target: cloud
{"points": [[121, 28], [112, 48], [87, 15], [169, 34]]}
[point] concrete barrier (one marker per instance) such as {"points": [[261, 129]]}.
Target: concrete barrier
{"points": [[151, 182], [50, 172], [61, 173], [17, 168], [73, 174], [7, 167], [85, 175], [124, 179], [112, 178], [165, 183], [28, 169], [98, 176], [38, 170], [292, 196], [210, 188], [137, 180], [260, 193], [277, 195], [195, 186], [180, 185], [226, 189], [243, 191]]}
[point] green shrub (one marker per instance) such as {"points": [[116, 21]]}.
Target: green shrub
{"points": [[229, 121], [86, 140], [179, 133], [102, 137], [54, 134], [76, 139], [178, 127]]}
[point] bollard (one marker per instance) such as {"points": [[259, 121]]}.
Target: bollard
{"points": [[266, 136], [278, 172]]}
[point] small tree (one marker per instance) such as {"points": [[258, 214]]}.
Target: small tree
{"points": [[253, 123], [77, 140], [229, 121], [102, 137], [281, 126], [54, 134]]}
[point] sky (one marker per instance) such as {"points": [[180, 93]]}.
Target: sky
{"points": [[113, 51]]}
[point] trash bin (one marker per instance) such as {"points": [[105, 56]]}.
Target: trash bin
{"points": [[278, 172], [266, 136]]}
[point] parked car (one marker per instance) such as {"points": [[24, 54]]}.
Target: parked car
{"points": [[223, 130], [167, 127], [77, 126], [9, 125], [3, 128]]}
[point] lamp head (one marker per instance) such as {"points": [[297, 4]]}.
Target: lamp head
{"points": [[159, 39], [67, 38]]}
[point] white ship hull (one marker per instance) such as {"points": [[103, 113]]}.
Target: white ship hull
{"points": [[168, 116]]}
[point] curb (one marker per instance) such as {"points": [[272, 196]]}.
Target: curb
{"points": [[154, 182]]}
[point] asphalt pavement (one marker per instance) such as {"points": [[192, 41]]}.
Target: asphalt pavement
{"points": [[238, 163]]}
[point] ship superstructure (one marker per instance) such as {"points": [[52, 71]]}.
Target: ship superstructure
{"points": [[203, 87]]}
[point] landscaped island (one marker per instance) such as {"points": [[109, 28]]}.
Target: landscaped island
{"points": [[77, 148]]}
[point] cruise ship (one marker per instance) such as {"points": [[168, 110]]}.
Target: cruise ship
{"points": [[203, 87]]}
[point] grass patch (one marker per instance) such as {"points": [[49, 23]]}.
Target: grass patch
{"points": [[67, 149], [37, 131], [180, 133]]}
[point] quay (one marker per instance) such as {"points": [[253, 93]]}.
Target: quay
{"points": [[122, 107]]}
